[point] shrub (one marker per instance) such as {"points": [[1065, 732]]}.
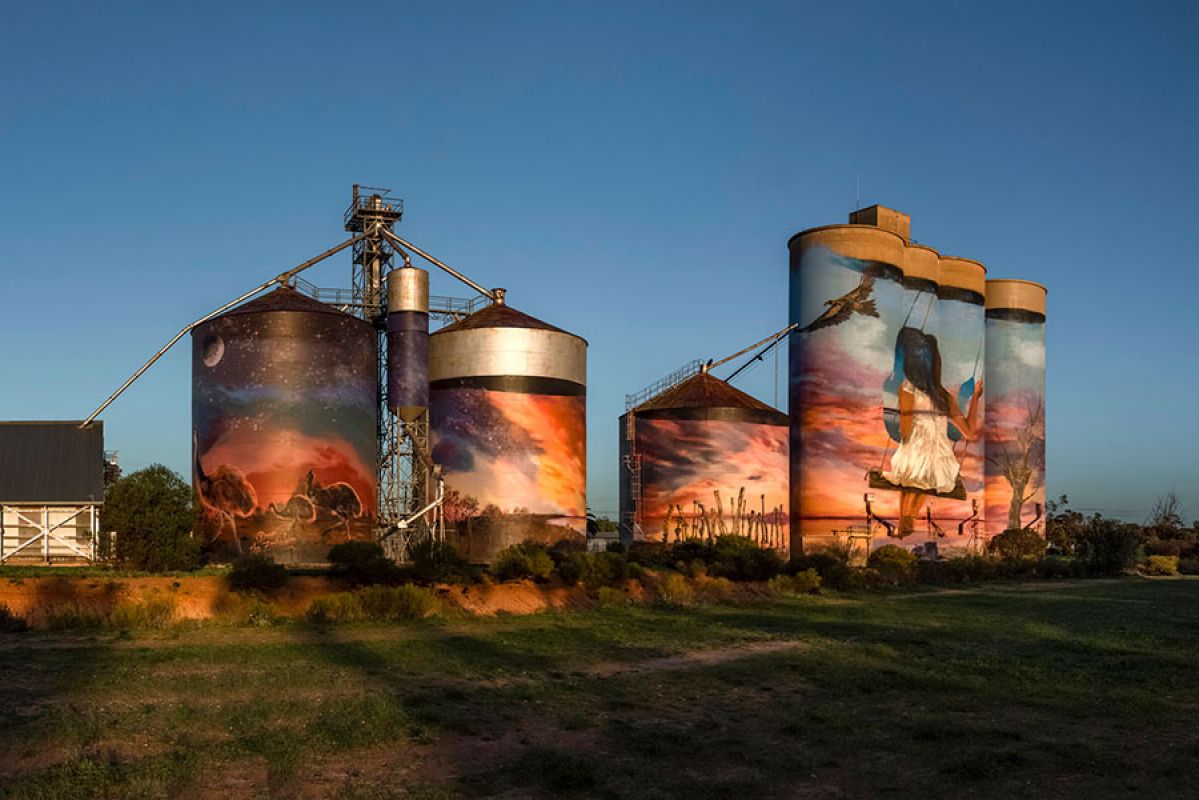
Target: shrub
{"points": [[806, 582], [524, 560], [610, 598], [11, 622], [152, 515], [574, 568], [895, 565], [607, 569], [393, 603], [257, 573], [715, 590], [1109, 546], [363, 564], [1017, 544], [155, 611], [439, 562], [649, 554], [1188, 566], [1162, 565], [673, 590], [1058, 567], [329, 608], [739, 558], [251, 610]]}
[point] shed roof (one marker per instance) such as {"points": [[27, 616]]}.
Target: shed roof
{"points": [[704, 391], [51, 462]]}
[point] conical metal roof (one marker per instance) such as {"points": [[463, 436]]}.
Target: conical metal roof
{"points": [[284, 298], [500, 316], [705, 391]]}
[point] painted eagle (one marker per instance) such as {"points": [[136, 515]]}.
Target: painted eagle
{"points": [[855, 301]]}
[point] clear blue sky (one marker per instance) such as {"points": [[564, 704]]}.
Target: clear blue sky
{"points": [[630, 171]]}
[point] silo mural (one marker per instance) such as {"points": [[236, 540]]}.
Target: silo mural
{"points": [[507, 414], [956, 520], [847, 295], [1015, 429], [284, 414], [711, 460]]}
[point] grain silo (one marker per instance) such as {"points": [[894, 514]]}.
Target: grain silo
{"points": [[284, 412], [847, 296], [705, 459], [507, 415], [408, 342], [1015, 401], [962, 345]]}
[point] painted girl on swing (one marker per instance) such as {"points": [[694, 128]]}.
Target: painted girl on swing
{"points": [[924, 461]]}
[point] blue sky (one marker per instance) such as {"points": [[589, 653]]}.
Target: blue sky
{"points": [[630, 171]]}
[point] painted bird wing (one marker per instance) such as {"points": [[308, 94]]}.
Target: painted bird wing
{"points": [[837, 313]]}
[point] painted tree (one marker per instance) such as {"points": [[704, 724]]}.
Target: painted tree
{"points": [[1020, 459]]}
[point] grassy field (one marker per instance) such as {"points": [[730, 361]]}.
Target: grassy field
{"points": [[1078, 689]]}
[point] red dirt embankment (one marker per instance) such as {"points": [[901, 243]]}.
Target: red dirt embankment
{"points": [[206, 597]]}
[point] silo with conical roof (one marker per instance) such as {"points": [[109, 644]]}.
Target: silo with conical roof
{"points": [[284, 412], [507, 417], [703, 459]]}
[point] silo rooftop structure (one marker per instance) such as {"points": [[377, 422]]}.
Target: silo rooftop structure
{"points": [[507, 415], [704, 459]]}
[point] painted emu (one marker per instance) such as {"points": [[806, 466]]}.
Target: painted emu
{"points": [[339, 499], [225, 492]]}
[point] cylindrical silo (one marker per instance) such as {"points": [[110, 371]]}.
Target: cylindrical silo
{"points": [[507, 417], [847, 296], [1015, 399], [709, 460], [284, 411], [408, 342], [961, 335]]}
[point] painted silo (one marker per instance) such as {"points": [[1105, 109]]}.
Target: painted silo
{"points": [[507, 418], [408, 342], [284, 409], [710, 460], [1015, 399], [961, 336], [847, 296]]}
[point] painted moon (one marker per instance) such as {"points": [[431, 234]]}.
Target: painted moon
{"points": [[214, 350]]}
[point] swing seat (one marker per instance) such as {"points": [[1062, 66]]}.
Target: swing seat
{"points": [[875, 480]]}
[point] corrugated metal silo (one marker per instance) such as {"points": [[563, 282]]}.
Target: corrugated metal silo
{"points": [[1015, 399], [284, 411], [847, 296], [710, 460], [507, 416]]}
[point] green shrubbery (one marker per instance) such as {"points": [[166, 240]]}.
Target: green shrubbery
{"points": [[374, 604], [894, 565], [806, 582], [1017, 544], [151, 513], [257, 573], [363, 564], [524, 561]]}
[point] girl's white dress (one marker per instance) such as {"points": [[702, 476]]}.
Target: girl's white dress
{"points": [[926, 460]]}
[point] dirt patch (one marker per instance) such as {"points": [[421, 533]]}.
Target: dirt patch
{"points": [[513, 598]]}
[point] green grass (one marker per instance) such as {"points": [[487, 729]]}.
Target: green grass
{"points": [[1071, 689]]}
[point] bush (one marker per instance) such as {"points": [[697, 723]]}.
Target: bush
{"points": [[739, 558], [574, 568], [438, 562], [607, 569], [610, 598], [394, 603], [330, 608], [257, 573], [1162, 565], [251, 610], [155, 611], [525, 560], [715, 590], [363, 564], [895, 565], [806, 582], [1060, 567], [649, 554], [1109, 546], [673, 590], [1188, 566], [152, 515], [11, 622], [830, 564], [1017, 544]]}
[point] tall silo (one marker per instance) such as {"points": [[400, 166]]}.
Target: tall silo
{"points": [[507, 415], [1015, 401], [706, 459], [284, 411], [408, 342], [847, 296], [962, 344]]}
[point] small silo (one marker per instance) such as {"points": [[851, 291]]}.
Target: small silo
{"points": [[284, 412], [1015, 403], [703, 459], [961, 335], [847, 296], [507, 418], [408, 342]]}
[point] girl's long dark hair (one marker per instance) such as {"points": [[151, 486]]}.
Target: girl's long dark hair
{"points": [[921, 358]]}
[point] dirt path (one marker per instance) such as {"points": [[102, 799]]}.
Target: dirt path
{"points": [[693, 659]]}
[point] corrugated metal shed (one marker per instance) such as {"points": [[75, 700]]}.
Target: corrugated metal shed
{"points": [[51, 462]]}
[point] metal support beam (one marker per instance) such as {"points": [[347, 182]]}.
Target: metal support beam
{"points": [[283, 278], [396, 240]]}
